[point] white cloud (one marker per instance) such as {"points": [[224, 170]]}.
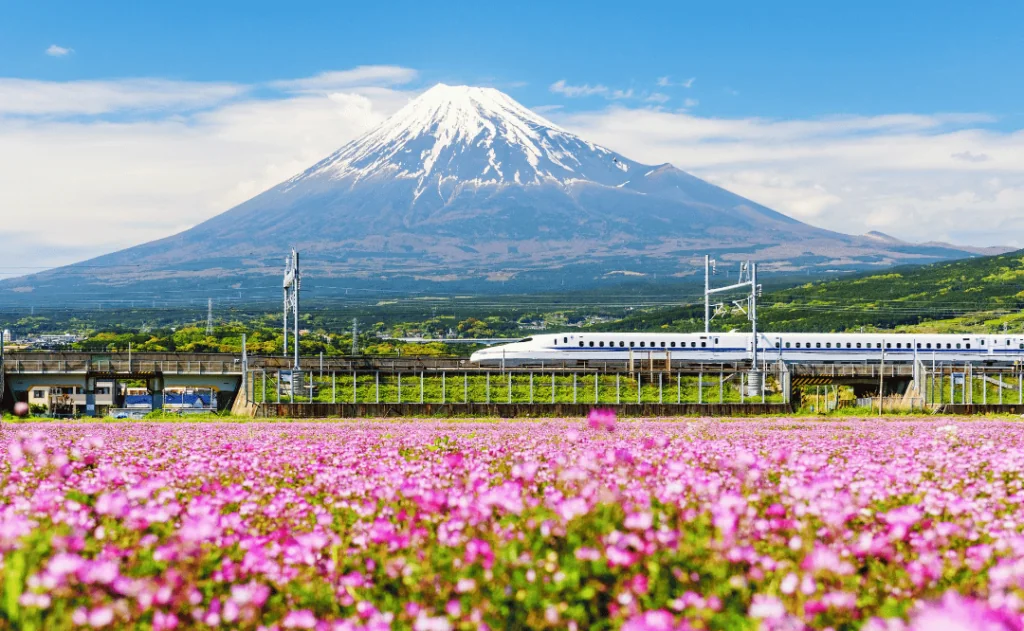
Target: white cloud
{"points": [[691, 103], [666, 82], [572, 91], [133, 165], [58, 51], [942, 177], [358, 76], [657, 97], [26, 97], [561, 87]]}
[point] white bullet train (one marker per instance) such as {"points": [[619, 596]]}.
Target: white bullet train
{"points": [[569, 348]]}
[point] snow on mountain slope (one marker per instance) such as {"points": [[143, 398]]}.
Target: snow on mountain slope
{"points": [[474, 135]]}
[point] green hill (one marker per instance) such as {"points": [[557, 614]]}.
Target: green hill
{"points": [[980, 294]]}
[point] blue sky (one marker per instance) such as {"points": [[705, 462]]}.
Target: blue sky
{"points": [[902, 117], [781, 59]]}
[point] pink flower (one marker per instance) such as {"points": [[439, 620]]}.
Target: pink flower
{"points": [[659, 620], [571, 508], [101, 617], [601, 419], [957, 613], [300, 619], [639, 521], [766, 608]]}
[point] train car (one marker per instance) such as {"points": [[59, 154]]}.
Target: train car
{"points": [[577, 348]]}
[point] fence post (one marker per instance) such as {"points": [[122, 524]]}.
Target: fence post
{"points": [[510, 387], [618, 388], [531, 387], [700, 386], [639, 386], [444, 387], [487, 388], [355, 393], [465, 387], [679, 388], [743, 395], [334, 388], [574, 388], [277, 384], [661, 387], [421, 386], [597, 385], [721, 385], [552, 386], [399, 387], [376, 387]]}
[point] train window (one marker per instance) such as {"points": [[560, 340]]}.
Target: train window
{"points": [[948, 345], [663, 345], [703, 344], [565, 340], [777, 344], [601, 344], [622, 345], [581, 343], [928, 345], [787, 344], [848, 345], [798, 344], [888, 344], [878, 345], [958, 344], [632, 344], [641, 344], [673, 344], [968, 345], [1022, 345], [694, 345], [858, 344], [982, 342], [591, 345], [818, 345], [828, 344]]}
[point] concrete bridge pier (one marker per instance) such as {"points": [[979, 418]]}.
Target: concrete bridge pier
{"points": [[156, 389]]}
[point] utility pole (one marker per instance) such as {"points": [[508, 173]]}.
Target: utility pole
{"points": [[355, 336], [209, 316], [291, 285], [707, 293]]}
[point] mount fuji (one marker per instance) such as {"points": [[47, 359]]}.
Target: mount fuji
{"points": [[464, 187]]}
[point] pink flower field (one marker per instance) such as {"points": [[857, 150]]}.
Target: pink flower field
{"points": [[773, 524]]}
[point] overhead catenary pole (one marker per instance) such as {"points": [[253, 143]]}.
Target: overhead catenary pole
{"points": [[707, 294]]}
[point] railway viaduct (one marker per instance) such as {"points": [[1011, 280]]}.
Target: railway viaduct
{"points": [[241, 383]]}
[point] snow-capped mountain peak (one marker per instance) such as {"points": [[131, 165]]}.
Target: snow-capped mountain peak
{"points": [[477, 136]]}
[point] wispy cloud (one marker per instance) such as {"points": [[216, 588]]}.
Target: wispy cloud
{"points": [[666, 82], [171, 153], [58, 51], [691, 103], [657, 97], [339, 79], [572, 91], [26, 97], [914, 176], [967, 156]]}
